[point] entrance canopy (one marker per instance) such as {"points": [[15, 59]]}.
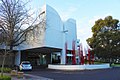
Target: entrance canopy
{"points": [[39, 56], [43, 50]]}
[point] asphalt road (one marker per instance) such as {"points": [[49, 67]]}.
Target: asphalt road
{"points": [[103, 74]]}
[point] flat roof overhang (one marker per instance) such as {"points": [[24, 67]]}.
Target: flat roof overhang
{"points": [[42, 50]]}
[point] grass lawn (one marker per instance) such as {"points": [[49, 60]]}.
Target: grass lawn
{"points": [[115, 65], [98, 62]]}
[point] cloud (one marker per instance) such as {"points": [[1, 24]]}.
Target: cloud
{"points": [[72, 9], [84, 32], [95, 18], [69, 11]]}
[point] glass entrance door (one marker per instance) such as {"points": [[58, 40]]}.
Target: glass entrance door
{"points": [[41, 60]]}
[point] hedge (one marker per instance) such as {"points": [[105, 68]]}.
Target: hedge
{"points": [[6, 70], [5, 77]]}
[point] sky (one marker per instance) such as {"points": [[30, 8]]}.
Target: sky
{"points": [[85, 12]]}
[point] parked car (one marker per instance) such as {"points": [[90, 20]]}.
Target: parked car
{"points": [[25, 65]]}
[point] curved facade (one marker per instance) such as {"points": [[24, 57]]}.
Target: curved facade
{"points": [[54, 28], [49, 39]]}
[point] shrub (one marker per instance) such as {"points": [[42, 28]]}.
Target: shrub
{"points": [[5, 77], [6, 70]]}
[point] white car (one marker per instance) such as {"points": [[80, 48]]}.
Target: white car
{"points": [[25, 65]]}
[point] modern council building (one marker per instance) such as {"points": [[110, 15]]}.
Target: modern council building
{"points": [[49, 42]]}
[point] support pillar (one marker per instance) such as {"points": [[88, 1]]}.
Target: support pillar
{"points": [[17, 58], [51, 58], [63, 57]]}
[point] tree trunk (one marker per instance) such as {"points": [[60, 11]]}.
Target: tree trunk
{"points": [[11, 48], [3, 62]]}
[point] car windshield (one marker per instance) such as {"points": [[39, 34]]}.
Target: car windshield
{"points": [[25, 63]]}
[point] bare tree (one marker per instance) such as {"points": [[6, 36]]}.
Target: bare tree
{"points": [[13, 18]]}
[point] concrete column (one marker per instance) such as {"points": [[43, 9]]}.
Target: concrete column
{"points": [[63, 57], [51, 58], [63, 52], [17, 58]]}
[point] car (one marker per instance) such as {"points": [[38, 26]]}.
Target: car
{"points": [[25, 65]]}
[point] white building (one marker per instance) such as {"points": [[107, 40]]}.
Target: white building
{"points": [[46, 41]]}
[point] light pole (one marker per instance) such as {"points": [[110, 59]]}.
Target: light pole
{"points": [[110, 52]]}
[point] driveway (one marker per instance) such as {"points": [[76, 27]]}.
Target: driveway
{"points": [[103, 74]]}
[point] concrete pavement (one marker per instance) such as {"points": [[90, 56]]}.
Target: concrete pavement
{"points": [[47, 74], [29, 77], [100, 74]]}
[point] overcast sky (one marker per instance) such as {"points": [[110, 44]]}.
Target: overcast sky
{"points": [[85, 12]]}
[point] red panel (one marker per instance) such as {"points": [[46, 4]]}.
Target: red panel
{"points": [[81, 55], [89, 60], [66, 51], [92, 58], [73, 53]]}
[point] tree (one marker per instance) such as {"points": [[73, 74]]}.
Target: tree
{"points": [[14, 16], [105, 41]]}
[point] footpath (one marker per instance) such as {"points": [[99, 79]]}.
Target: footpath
{"points": [[29, 77]]}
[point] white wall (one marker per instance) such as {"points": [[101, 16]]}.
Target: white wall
{"points": [[71, 35], [79, 67], [54, 26], [56, 34]]}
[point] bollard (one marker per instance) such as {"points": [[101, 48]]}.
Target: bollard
{"points": [[20, 74], [13, 73]]}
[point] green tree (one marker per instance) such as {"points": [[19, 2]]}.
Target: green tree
{"points": [[105, 41]]}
